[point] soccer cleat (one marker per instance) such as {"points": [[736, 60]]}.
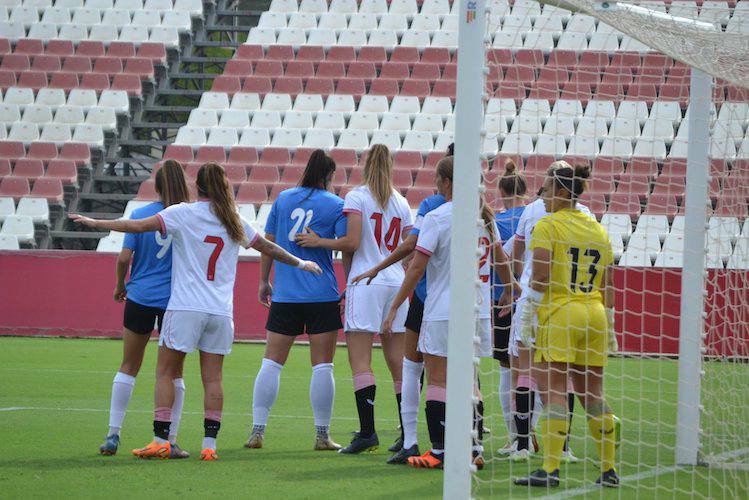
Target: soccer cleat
{"points": [[359, 444], [569, 458], [507, 449], [111, 443], [519, 456], [255, 441], [208, 455], [540, 478], [326, 444], [402, 456], [154, 450], [609, 479], [397, 445], [428, 460], [176, 452], [478, 459]]}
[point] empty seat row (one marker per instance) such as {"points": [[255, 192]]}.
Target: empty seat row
{"points": [[131, 84], [79, 153], [17, 229], [77, 32], [49, 188], [35, 208], [89, 49], [58, 133], [17, 99], [59, 16], [42, 116], [35, 168], [48, 65], [194, 7]]}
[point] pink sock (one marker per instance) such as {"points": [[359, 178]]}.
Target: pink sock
{"points": [[362, 380], [436, 393]]}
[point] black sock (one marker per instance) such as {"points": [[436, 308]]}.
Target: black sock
{"points": [[365, 405], [435, 411], [571, 406], [421, 381], [398, 397], [524, 406], [478, 422], [211, 428], [161, 429]]}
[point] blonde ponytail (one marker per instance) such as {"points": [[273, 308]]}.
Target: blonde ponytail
{"points": [[378, 174]]}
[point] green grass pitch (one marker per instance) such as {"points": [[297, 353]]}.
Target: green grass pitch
{"points": [[54, 400]]}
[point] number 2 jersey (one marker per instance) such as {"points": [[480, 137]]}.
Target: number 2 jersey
{"points": [[151, 270], [434, 241], [293, 211], [581, 251], [204, 258], [381, 232]]}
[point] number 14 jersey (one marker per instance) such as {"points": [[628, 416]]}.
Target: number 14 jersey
{"points": [[381, 233]]}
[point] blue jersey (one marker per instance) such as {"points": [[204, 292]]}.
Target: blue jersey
{"points": [[294, 210], [425, 207], [151, 270], [507, 222]]}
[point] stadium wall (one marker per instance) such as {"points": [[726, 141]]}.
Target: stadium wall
{"points": [[64, 293]]}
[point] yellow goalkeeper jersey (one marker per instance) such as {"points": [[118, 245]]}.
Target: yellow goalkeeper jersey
{"points": [[580, 249]]}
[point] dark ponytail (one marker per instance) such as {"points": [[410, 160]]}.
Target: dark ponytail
{"points": [[213, 184], [171, 185], [319, 167], [573, 179]]}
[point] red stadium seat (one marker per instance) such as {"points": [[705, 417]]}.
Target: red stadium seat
{"points": [[643, 166], [519, 74], [12, 150], [416, 195], [49, 188], [5, 46], [617, 76], [596, 202], [65, 81], [375, 55], [426, 71], [558, 76], [330, 69], [408, 55], [311, 53], [301, 157], [436, 55], [341, 53], [544, 90], [501, 57], [344, 158], [156, 52], [580, 91], [384, 86], [90, 48], [29, 169], [288, 85], [593, 61], [215, 154], [94, 81], [659, 204], [108, 65], [147, 191], [257, 85], [123, 50], [625, 59], [402, 178], [340, 178], [322, 86], [141, 67], [634, 184], [242, 155], [270, 69], [14, 187], [424, 178], [79, 153], [264, 174], [275, 157], [129, 83], [42, 151], [7, 79], [250, 52], [237, 174], [77, 64], [529, 57], [280, 53], [301, 69], [16, 62], [238, 67], [563, 59], [396, 70], [46, 63], [292, 174], [64, 170], [277, 188], [351, 86], [642, 92], [180, 153], [609, 92], [33, 79], [364, 70], [600, 183], [731, 207], [446, 88], [29, 47], [227, 83], [411, 160], [533, 164], [416, 88], [674, 185], [625, 203], [5, 169]]}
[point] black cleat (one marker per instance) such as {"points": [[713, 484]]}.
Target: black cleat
{"points": [[360, 444], [609, 479], [402, 455], [397, 446], [540, 478]]}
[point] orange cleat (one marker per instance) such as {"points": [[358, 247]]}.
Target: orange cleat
{"points": [[154, 450], [426, 461], [208, 455]]}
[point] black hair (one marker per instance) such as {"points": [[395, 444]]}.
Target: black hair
{"points": [[318, 170]]}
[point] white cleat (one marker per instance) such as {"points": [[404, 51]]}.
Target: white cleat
{"points": [[519, 456], [569, 458], [326, 444], [507, 449]]}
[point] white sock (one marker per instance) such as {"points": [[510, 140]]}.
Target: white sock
{"points": [[538, 408], [322, 393], [410, 396], [209, 444], [179, 401], [505, 397], [266, 391], [122, 389]]}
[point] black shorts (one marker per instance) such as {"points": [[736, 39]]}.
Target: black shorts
{"points": [[502, 328], [295, 318], [140, 319], [415, 314]]}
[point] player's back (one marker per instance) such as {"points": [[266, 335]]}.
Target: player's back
{"points": [[294, 210], [581, 252], [151, 267], [204, 260], [381, 231]]}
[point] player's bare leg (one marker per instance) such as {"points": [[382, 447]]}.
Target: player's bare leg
{"points": [[211, 368], [322, 387], [393, 347]]}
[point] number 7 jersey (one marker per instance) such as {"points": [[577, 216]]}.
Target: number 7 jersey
{"points": [[580, 252], [381, 233]]}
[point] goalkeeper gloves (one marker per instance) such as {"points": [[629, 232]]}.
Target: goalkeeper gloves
{"points": [[528, 314], [613, 343]]}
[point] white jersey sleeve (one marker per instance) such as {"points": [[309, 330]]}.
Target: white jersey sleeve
{"points": [[172, 218], [353, 203], [428, 236], [252, 234]]}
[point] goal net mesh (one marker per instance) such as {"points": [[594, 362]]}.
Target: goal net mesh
{"points": [[608, 85]]}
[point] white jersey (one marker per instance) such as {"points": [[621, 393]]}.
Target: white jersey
{"points": [[533, 213], [204, 258], [434, 241], [381, 232]]}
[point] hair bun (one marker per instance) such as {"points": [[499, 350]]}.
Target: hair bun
{"points": [[582, 171], [510, 167]]}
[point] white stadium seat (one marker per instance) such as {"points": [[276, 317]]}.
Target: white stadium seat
{"points": [[35, 208], [21, 227]]}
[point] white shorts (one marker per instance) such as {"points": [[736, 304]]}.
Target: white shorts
{"points": [[186, 331], [433, 338], [512, 346], [368, 305]]}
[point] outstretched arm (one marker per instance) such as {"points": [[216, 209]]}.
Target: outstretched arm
{"points": [[413, 275], [348, 243], [121, 225], [275, 252]]}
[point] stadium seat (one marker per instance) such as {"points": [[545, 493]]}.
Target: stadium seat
{"points": [[9, 242], [37, 209], [22, 227], [7, 207]]}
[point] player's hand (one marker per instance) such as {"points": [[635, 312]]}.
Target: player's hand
{"points": [[264, 294], [342, 302], [370, 275], [613, 342], [80, 219], [505, 303], [311, 267], [387, 325], [307, 239], [120, 293], [517, 290]]}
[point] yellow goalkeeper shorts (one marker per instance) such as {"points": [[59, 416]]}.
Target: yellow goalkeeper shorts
{"points": [[574, 333]]}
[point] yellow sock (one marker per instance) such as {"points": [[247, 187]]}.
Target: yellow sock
{"points": [[602, 428], [554, 434]]}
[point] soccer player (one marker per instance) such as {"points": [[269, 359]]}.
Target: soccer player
{"points": [[413, 363], [433, 255], [377, 218], [512, 189], [571, 295], [149, 258], [301, 302], [206, 236], [527, 399]]}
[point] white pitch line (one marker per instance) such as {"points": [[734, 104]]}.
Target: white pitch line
{"points": [[658, 471]]}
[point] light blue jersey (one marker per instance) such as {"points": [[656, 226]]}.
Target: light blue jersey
{"points": [[425, 207], [507, 222], [151, 270], [293, 210]]}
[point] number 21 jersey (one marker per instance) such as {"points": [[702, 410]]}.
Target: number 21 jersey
{"points": [[204, 258], [381, 233]]}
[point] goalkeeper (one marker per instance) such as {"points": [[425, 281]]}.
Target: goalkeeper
{"points": [[572, 293]]}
